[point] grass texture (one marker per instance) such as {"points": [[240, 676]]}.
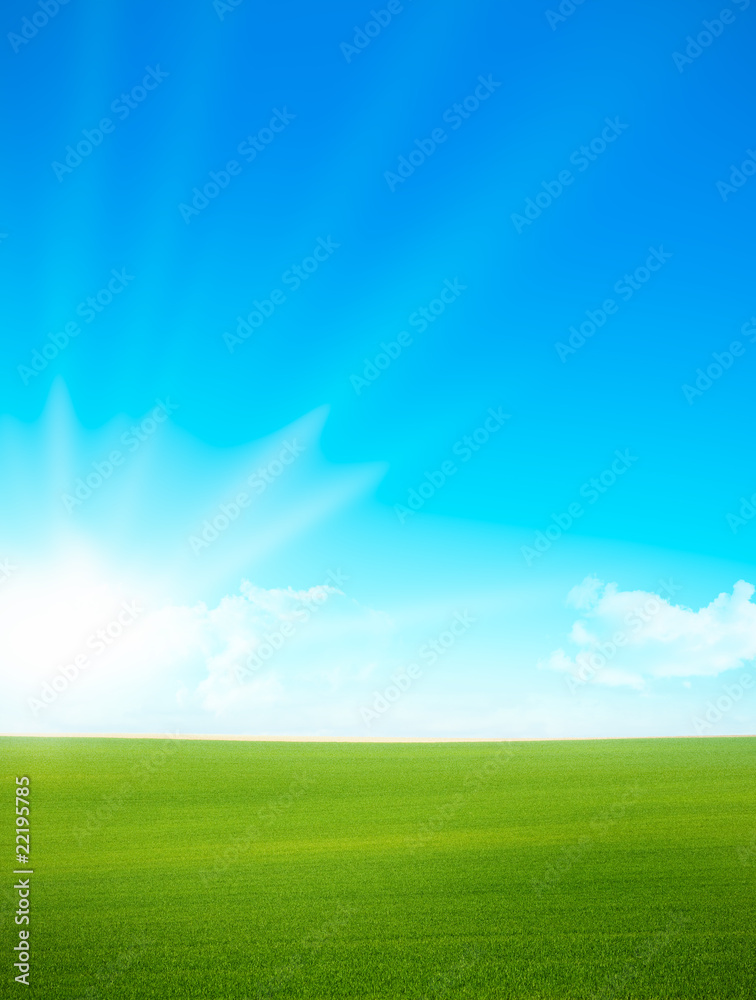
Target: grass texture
{"points": [[242, 871]]}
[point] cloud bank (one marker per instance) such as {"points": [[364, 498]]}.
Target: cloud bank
{"points": [[630, 637], [82, 655]]}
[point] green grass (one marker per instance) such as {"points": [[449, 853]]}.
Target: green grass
{"points": [[247, 870]]}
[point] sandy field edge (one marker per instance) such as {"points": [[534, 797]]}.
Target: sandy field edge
{"points": [[370, 739]]}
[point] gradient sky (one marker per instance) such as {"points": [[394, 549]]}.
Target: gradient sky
{"points": [[607, 156]]}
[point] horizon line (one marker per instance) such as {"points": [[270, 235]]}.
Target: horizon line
{"points": [[368, 739]]}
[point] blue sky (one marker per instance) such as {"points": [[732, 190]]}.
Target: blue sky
{"points": [[440, 294]]}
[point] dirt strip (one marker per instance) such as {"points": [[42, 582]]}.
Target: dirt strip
{"points": [[369, 739]]}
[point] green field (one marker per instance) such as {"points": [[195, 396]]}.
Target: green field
{"points": [[597, 869]]}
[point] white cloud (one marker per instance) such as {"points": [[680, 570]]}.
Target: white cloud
{"points": [[310, 635], [585, 594], [200, 667], [626, 638]]}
